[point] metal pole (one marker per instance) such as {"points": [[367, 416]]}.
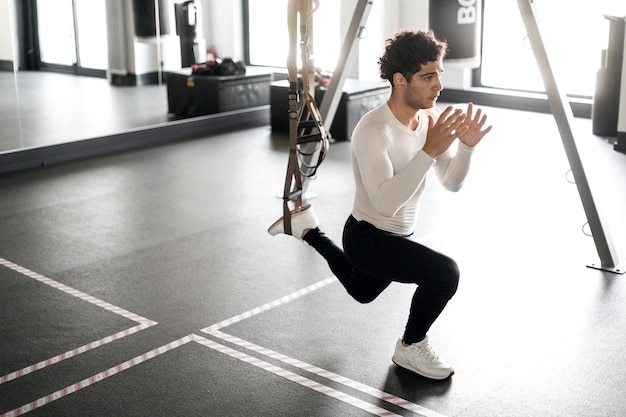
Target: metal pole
{"points": [[563, 115], [332, 97]]}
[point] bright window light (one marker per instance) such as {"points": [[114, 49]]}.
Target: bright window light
{"points": [[575, 33], [269, 35]]}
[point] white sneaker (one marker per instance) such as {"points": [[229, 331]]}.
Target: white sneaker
{"points": [[421, 359], [302, 218]]}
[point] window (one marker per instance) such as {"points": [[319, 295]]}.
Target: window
{"points": [[56, 32], [268, 36], [73, 33], [576, 32]]}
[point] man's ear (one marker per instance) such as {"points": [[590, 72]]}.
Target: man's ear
{"points": [[399, 80]]}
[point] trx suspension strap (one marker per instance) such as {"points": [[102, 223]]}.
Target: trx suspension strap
{"points": [[308, 139]]}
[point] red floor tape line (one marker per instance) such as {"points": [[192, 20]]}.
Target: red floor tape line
{"points": [[78, 294], [270, 305], [55, 359], [400, 402], [96, 378], [214, 331], [143, 322], [331, 392]]}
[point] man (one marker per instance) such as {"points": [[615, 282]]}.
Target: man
{"points": [[393, 149]]}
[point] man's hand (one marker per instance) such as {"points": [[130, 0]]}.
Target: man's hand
{"points": [[441, 134], [474, 125]]}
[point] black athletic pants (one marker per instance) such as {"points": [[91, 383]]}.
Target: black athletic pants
{"points": [[373, 258]]}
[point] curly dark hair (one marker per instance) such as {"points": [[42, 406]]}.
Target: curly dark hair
{"points": [[408, 51]]}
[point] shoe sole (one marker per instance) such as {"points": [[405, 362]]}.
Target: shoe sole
{"points": [[272, 229], [415, 371]]}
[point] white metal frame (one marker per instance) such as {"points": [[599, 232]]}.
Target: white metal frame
{"points": [[563, 115], [330, 102], [621, 121]]}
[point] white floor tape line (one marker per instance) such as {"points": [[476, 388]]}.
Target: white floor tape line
{"points": [[143, 323], [214, 330], [400, 402], [276, 370], [97, 378], [270, 305]]}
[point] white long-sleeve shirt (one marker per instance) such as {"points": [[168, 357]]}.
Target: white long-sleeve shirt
{"points": [[390, 168]]}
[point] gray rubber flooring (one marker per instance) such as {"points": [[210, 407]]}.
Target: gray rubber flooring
{"points": [[41, 108], [145, 284]]}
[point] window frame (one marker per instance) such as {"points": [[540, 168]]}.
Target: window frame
{"points": [[478, 93]]}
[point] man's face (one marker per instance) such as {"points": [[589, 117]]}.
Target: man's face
{"points": [[423, 90]]}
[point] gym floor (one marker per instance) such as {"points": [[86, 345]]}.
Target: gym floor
{"points": [[144, 283]]}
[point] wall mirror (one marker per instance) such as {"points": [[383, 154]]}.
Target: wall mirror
{"points": [[72, 83]]}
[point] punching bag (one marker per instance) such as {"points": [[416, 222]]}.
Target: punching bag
{"points": [[605, 106], [144, 13], [459, 22]]}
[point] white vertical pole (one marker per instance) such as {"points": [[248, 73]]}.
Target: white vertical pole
{"points": [[330, 102], [563, 115], [621, 120]]}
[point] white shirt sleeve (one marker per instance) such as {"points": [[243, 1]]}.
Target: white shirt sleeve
{"points": [[452, 170], [390, 169], [388, 187]]}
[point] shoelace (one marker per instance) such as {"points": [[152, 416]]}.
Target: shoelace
{"points": [[426, 352]]}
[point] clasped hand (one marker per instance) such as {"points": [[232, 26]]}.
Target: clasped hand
{"points": [[453, 124]]}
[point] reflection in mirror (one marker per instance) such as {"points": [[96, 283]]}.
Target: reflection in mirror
{"points": [[40, 108], [56, 30], [10, 124], [10, 135], [57, 108]]}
